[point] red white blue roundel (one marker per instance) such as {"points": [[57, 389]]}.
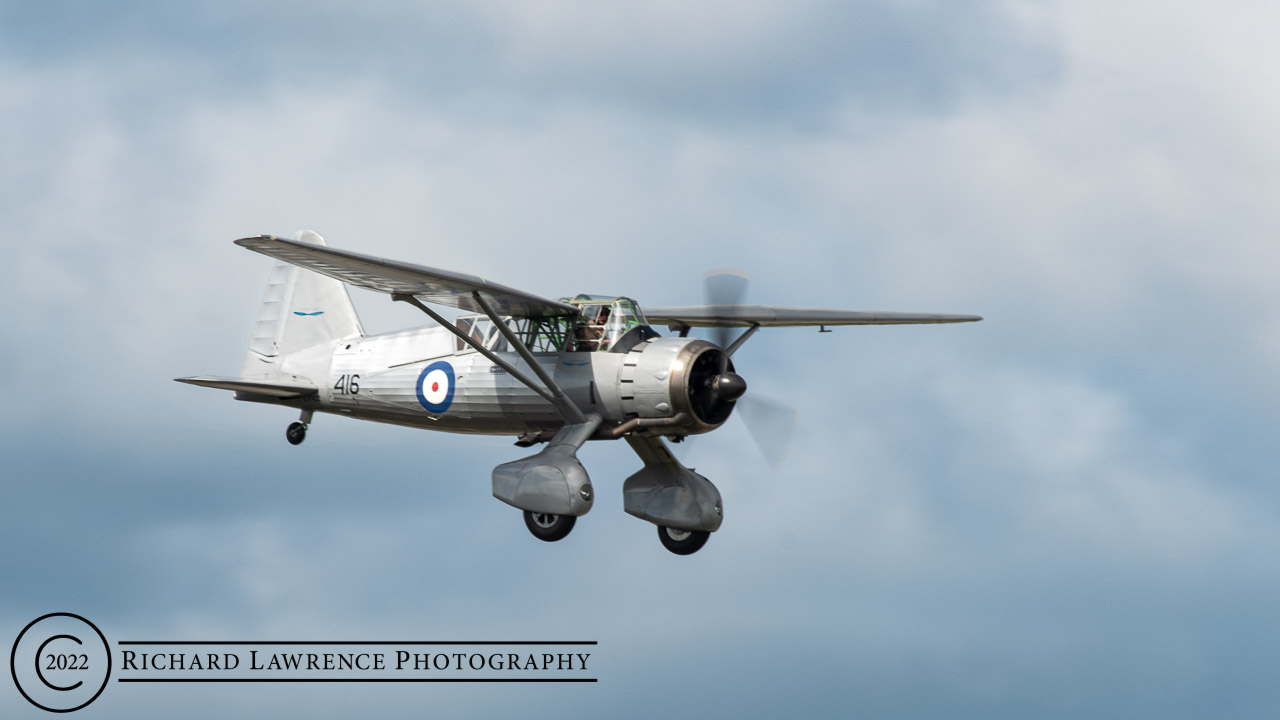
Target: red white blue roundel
{"points": [[435, 386]]}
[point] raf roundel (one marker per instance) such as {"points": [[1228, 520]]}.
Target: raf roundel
{"points": [[435, 387]]}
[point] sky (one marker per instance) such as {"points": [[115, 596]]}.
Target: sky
{"points": [[1066, 510]]}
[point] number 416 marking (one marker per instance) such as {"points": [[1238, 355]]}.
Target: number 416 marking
{"points": [[347, 385]]}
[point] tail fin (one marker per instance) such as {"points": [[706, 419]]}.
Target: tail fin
{"points": [[300, 309]]}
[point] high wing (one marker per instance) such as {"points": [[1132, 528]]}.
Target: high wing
{"points": [[774, 316], [274, 389], [399, 278]]}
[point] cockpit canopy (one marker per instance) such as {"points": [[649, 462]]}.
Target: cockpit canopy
{"points": [[602, 322]]}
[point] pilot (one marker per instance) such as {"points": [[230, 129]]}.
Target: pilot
{"points": [[602, 320], [590, 333]]}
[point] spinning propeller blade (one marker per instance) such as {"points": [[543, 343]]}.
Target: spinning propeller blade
{"points": [[770, 423], [724, 286]]}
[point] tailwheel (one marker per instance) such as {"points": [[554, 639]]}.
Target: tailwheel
{"points": [[296, 433], [682, 542], [548, 527]]}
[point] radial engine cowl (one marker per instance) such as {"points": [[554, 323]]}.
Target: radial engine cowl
{"points": [[669, 376]]}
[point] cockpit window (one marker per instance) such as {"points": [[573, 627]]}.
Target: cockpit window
{"points": [[482, 330], [602, 321], [599, 326]]}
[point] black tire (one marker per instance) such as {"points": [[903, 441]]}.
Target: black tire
{"points": [[296, 433], [682, 542], [548, 527]]}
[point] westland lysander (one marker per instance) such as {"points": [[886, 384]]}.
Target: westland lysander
{"points": [[559, 372]]}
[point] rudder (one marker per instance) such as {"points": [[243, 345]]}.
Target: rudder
{"points": [[300, 309]]}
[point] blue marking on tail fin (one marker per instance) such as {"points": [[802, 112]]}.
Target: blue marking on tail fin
{"points": [[310, 314]]}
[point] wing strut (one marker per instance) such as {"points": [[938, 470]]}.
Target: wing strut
{"points": [[562, 402], [556, 396], [742, 339]]}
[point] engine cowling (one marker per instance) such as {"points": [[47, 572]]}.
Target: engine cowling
{"points": [[665, 377]]}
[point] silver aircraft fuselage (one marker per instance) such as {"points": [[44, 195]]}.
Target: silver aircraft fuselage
{"points": [[421, 378]]}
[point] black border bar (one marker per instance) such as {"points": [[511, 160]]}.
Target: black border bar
{"points": [[356, 642]]}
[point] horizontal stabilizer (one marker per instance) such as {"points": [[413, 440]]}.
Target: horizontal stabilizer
{"points": [[391, 276], [774, 316], [294, 389]]}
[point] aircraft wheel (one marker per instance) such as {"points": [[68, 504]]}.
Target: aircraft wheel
{"points": [[682, 542], [548, 527], [296, 433]]}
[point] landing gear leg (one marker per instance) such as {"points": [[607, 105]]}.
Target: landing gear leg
{"points": [[548, 527], [297, 432], [684, 505]]}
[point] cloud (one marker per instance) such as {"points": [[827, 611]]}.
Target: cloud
{"points": [[723, 63], [761, 62]]}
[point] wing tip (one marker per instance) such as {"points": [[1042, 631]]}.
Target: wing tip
{"points": [[255, 241]]}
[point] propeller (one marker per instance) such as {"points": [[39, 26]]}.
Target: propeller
{"points": [[724, 286], [770, 423]]}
